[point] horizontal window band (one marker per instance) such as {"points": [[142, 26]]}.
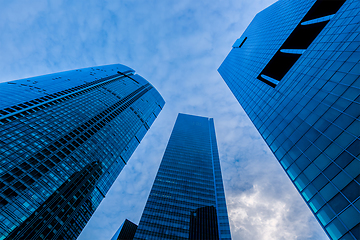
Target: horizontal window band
{"points": [[279, 65], [271, 84], [61, 148], [58, 99], [318, 20], [293, 51], [274, 81]]}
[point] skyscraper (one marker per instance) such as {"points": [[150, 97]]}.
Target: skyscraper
{"points": [[189, 177], [64, 138], [126, 231], [295, 71]]}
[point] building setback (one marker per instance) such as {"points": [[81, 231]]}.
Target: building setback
{"points": [[295, 71], [65, 137], [189, 178]]}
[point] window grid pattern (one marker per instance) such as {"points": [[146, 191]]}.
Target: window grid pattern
{"points": [[310, 120], [43, 150], [189, 177]]}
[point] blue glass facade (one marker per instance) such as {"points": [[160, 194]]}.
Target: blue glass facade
{"points": [[64, 139], [295, 71], [126, 231], [189, 177]]}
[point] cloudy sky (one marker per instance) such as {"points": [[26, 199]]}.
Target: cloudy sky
{"points": [[177, 46]]}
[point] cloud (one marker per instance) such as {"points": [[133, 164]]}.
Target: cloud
{"points": [[177, 46]]}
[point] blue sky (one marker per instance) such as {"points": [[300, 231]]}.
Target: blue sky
{"points": [[177, 46]]}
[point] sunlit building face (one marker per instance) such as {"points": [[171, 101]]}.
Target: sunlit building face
{"points": [[295, 71]]}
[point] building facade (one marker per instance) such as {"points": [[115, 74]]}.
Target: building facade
{"points": [[126, 231], [64, 139], [295, 71], [189, 177]]}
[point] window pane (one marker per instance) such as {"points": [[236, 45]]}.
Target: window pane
{"points": [[325, 215], [338, 203], [328, 191], [352, 191], [335, 229], [350, 217]]}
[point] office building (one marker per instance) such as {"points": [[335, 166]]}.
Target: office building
{"points": [[295, 71], [126, 231], [189, 177], [65, 137]]}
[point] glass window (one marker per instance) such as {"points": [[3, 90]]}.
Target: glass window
{"points": [[328, 192], [312, 152], [338, 203], [302, 162], [352, 191], [321, 124], [303, 144], [311, 172], [331, 171], [350, 217], [344, 139], [316, 202], [312, 134], [301, 182], [309, 192], [279, 153], [325, 215], [354, 128], [354, 148], [341, 180], [286, 161], [353, 109], [322, 142], [294, 152], [332, 132], [357, 204], [353, 168], [333, 150], [320, 182], [293, 171], [344, 159], [322, 161]]}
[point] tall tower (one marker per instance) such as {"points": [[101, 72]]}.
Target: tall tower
{"points": [[65, 138], [188, 179], [295, 71]]}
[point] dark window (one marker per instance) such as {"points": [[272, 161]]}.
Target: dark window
{"points": [[344, 159], [351, 191], [338, 203], [239, 42], [331, 171], [320, 182]]}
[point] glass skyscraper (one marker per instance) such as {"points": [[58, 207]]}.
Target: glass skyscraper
{"points": [[189, 178], [295, 71], [64, 138]]}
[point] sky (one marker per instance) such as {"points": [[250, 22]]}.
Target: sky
{"points": [[177, 46]]}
